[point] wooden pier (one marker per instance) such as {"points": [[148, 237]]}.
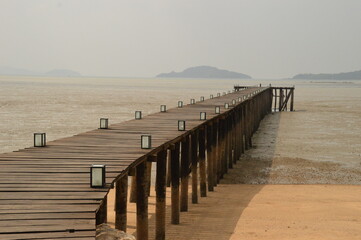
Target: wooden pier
{"points": [[45, 192]]}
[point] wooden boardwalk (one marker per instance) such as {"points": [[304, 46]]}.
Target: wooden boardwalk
{"points": [[45, 192]]}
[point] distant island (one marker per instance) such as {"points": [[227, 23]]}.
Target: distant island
{"points": [[9, 71], [330, 76], [204, 72]]}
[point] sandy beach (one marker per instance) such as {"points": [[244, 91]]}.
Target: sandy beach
{"points": [[301, 179]]}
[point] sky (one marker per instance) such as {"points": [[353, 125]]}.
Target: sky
{"points": [[141, 38]]}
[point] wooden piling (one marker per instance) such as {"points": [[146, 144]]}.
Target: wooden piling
{"points": [[175, 184], [210, 147], [194, 149], [202, 163], [142, 201], [292, 99], [102, 213], [184, 174], [160, 189], [121, 194]]}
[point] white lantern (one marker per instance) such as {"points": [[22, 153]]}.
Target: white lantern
{"points": [[234, 102], [211, 96], [202, 99], [239, 99], [39, 139], [181, 125], [226, 105], [97, 176], [193, 101], [180, 104], [103, 123], [217, 110], [146, 141], [202, 116], [218, 94], [138, 115], [163, 108]]}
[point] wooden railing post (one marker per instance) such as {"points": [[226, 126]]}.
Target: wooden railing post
{"points": [[121, 194], [160, 190]]}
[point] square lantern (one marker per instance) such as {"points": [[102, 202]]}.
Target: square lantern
{"points": [[39, 139], [244, 97], [234, 102], [218, 94], [193, 101], [180, 104], [203, 116], [217, 110], [211, 96], [97, 176], [146, 141], [163, 108], [181, 125], [239, 99], [226, 105], [202, 99], [103, 123], [138, 114]]}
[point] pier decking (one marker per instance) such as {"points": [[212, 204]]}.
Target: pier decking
{"points": [[45, 192]]}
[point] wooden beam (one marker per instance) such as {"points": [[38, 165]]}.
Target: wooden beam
{"points": [[210, 149]]}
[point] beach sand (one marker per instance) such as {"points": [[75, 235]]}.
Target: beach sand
{"points": [[301, 179]]}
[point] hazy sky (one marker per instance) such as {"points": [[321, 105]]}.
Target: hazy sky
{"points": [[262, 38]]}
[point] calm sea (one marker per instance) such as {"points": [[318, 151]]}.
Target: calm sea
{"points": [[63, 107]]}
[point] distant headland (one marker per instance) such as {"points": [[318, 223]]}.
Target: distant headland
{"points": [[9, 71], [356, 75], [204, 72]]}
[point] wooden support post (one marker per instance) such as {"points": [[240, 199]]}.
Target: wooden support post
{"points": [[149, 176], [175, 184], [210, 149], [194, 149], [121, 194], [281, 100], [142, 201], [230, 131], [133, 190], [292, 99], [160, 189], [202, 163], [168, 170], [215, 152], [184, 174], [102, 213]]}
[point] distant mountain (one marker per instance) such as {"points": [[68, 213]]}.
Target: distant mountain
{"points": [[331, 76], [204, 72], [9, 71], [63, 73]]}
